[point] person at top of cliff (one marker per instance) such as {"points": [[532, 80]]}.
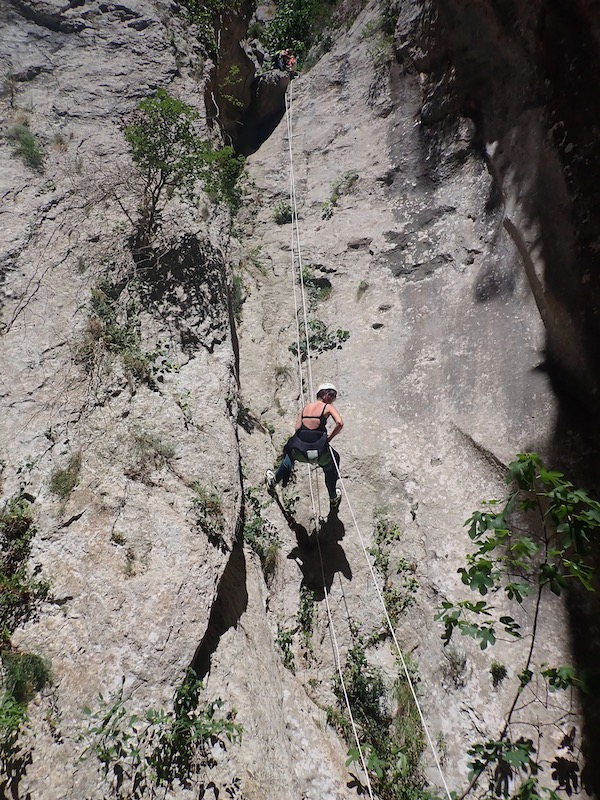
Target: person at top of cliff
{"points": [[310, 443], [285, 61]]}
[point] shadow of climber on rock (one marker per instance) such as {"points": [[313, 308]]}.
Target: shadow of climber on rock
{"points": [[320, 556]]}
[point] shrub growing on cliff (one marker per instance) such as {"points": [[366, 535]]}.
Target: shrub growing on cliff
{"points": [[296, 24], [392, 740], [23, 674], [207, 15], [148, 756], [171, 156], [20, 594], [26, 145]]}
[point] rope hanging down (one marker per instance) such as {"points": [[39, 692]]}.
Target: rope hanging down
{"points": [[300, 280], [296, 236]]}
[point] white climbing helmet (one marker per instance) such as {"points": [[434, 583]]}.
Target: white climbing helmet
{"points": [[326, 387]]}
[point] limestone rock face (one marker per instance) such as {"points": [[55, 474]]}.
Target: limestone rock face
{"points": [[434, 284]]}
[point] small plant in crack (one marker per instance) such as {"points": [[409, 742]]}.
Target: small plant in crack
{"points": [[318, 288], [456, 666], [64, 479], [21, 594], [320, 339], [114, 326], [260, 535], [498, 672], [305, 616], [362, 288], [400, 585], [208, 505], [340, 187], [284, 641], [27, 146], [282, 213], [150, 452]]}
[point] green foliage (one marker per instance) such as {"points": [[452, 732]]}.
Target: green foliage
{"points": [[264, 541], [456, 665], [171, 156], [510, 561], [13, 720], [282, 213], [498, 672], [207, 16], [260, 535], [114, 326], [392, 741], [284, 640], [318, 288], [148, 756], [320, 339], [26, 674], [507, 758], [296, 25], [63, 481], [305, 616], [20, 594], [149, 452], [398, 592], [342, 186], [208, 505], [237, 296], [26, 145], [382, 51], [540, 539]]}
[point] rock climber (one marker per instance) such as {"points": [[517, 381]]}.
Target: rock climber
{"points": [[285, 61], [310, 443]]}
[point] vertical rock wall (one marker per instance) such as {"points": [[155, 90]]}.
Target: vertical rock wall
{"points": [[430, 173]]}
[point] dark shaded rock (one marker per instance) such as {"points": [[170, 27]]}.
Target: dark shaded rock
{"points": [[360, 243], [49, 15], [248, 107], [29, 74]]}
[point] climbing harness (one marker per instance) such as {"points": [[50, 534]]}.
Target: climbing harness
{"points": [[296, 259]]}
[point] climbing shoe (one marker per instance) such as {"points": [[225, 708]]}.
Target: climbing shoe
{"points": [[270, 480], [335, 501]]}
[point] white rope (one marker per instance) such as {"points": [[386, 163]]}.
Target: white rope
{"points": [[295, 226], [393, 633], [294, 284], [338, 662], [315, 505]]}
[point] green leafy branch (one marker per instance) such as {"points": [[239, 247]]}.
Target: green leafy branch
{"points": [[562, 527], [320, 339]]}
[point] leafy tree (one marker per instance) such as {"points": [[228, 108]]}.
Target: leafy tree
{"points": [[171, 155], [295, 25], [208, 16]]}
